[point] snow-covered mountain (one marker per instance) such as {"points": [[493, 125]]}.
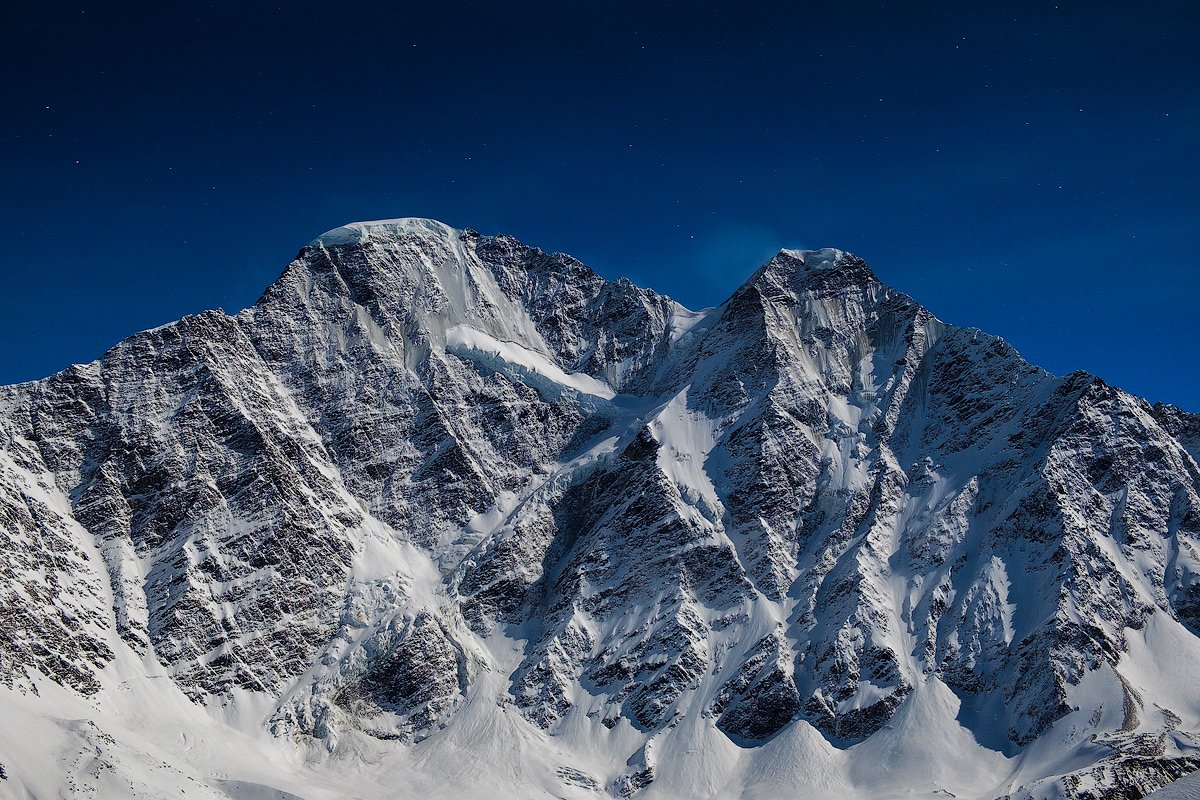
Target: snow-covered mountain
{"points": [[443, 515]]}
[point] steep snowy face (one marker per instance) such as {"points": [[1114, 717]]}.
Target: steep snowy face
{"points": [[438, 490]]}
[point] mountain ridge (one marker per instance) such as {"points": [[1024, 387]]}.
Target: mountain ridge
{"points": [[435, 483]]}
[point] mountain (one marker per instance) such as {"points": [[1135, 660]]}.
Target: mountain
{"points": [[443, 515]]}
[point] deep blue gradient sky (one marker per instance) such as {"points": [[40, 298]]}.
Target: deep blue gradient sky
{"points": [[1027, 168]]}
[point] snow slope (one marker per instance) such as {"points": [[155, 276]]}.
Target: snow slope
{"points": [[1186, 788]]}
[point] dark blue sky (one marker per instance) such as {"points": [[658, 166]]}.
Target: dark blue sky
{"points": [[1027, 168]]}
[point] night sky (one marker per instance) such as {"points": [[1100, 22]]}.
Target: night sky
{"points": [[1027, 168]]}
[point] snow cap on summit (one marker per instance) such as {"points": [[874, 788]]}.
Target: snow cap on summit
{"points": [[825, 258], [358, 232], [827, 267]]}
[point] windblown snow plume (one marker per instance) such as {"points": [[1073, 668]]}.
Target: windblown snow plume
{"points": [[445, 516]]}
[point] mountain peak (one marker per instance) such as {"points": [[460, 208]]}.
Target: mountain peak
{"points": [[824, 270], [822, 264], [821, 259], [359, 232]]}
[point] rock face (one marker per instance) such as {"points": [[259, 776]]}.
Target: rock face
{"points": [[435, 481]]}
